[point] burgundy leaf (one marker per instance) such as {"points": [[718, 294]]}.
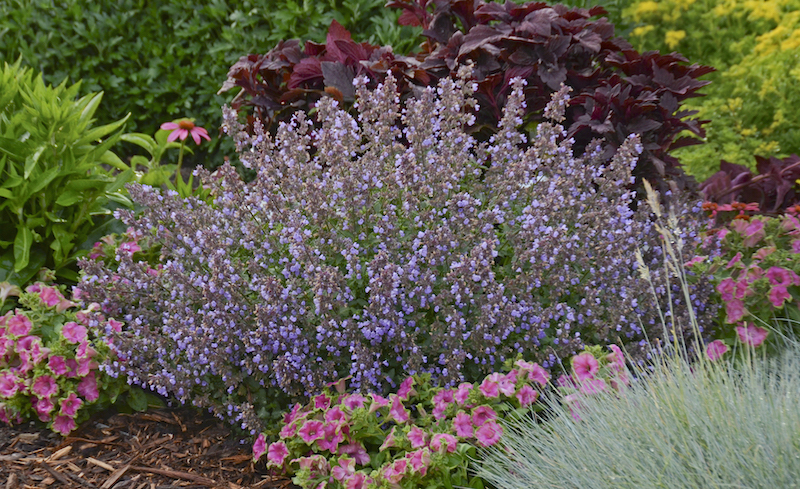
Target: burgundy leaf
{"points": [[340, 77]]}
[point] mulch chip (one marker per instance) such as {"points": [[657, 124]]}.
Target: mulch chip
{"points": [[159, 449]]}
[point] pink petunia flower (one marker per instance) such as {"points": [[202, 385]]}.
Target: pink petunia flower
{"points": [[73, 332], [354, 401], [444, 442], [63, 425], [753, 232], [764, 252], [70, 405], [716, 349], [87, 388], [417, 437], [43, 407], [332, 436], [406, 389], [277, 454], [357, 451], [335, 415], [462, 425], [489, 433], [782, 276], [489, 387], [778, 295], [182, 129], [44, 386], [419, 460], [593, 386], [346, 468], [50, 296], [527, 396], [507, 385], [462, 393], [378, 402], [356, 481], [734, 310], [397, 411], [737, 258], [18, 324], [259, 447], [9, 384], [322, 402], [116, 326], [390, 440], [129, 247], [585, 366], [311, 431], [751, 334], [482, 414]]}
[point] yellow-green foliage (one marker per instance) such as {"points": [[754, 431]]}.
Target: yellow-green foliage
{"points": [[755, 98]]}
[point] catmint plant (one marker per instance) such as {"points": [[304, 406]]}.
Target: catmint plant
{"points": [[377, 246]]}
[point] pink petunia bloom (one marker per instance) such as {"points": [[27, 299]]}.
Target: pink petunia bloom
{"points": [[507, 385], [311, 431], [182, 129], [716, 349], [462, 393], [726, 288], [335, 415], [574, 406], [72, 365], [31, 347], [527, 396], [398, 470], [316, 464], [489, 433], [289, 430], [764, 252], [259, 447], [73, 332], [44, 386], [70, 405], [694, 261], [778, 295], [277, 454], [9, 384], [406, 389], [43, 407], [796, 246], [751, 334], [734, 310], [378, 402], [444, 442], [356, 481], [462, 425], [293, 414], [489, 387], [443, 397], [593, 386], [129, 248], [322, 402], [566, 381], [354, 401], [332, 436], [84, 350], [346, 468], [782, 276], [482, 414], [419, 460], [87, 388], [616, 357], [85, 365], [417, 437], [585, 366], [390, 440], [357, 451], [18, 324], [63, 425], [754, 232], [397, 411], [737, 258], [50, 296], [116, 326]]}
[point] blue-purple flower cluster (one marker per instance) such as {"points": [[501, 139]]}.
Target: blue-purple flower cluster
{"points": [[378, 246]]}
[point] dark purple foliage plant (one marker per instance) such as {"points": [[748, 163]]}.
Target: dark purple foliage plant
{"points": [[391, 251]]}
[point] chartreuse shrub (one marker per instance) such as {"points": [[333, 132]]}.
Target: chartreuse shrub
{"points": [[55, 193], [755, 48], [50, 353], [161, 60], [387, 253]]}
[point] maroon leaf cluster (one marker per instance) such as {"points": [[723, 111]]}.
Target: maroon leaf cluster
{"points": [[774, 189], [616, 90]]}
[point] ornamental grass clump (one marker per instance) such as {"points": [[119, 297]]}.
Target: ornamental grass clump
{"points": [[366, 250]]}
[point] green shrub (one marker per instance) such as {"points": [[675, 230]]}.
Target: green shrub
{"points": [[164, 60], [55, 196], [695, 426]]}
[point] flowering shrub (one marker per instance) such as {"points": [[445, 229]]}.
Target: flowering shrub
{"points": [[388, 253], [49, 359], [756, 274], [419, 436]]}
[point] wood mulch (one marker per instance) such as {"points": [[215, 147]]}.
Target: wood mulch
{"points": [[159, 449]]}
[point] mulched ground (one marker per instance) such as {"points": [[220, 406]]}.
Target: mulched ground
{"points": [[158, 449]]}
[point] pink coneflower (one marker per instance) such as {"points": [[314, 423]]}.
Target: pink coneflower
{"points": [[182, 129]]}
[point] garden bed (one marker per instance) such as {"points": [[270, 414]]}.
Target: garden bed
{"points": [[161, 448]]}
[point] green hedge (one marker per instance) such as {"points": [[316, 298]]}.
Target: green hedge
{"points": [[161, 60]]}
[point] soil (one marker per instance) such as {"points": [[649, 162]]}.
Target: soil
{"points": [[158, 449]]}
